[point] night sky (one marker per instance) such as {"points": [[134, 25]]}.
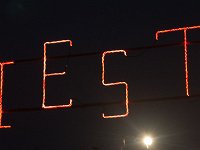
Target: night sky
{"points": [[97, 26]]}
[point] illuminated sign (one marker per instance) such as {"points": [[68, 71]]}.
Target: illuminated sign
{"points": [[50, 75], [184, 29], [116, 83], [1, 92]]}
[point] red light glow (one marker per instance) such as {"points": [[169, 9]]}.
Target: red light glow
{"points": [[184, 29], [1, 92], [116, 83], [52, 74]]}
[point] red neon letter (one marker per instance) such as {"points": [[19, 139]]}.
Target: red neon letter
{"points": [[184, 29], [1, 92], [116, 83], [52, 74]]}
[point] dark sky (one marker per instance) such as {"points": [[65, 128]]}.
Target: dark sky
{"points": [[96, 26]]}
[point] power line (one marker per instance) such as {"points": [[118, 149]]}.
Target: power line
{"points": [[101, 104], [18, 61]]}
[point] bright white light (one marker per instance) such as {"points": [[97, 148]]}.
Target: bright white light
{"points": [[148, 141]]}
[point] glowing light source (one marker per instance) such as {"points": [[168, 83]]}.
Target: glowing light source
{"points": [[184, 29], [52, 74], [147, 141], [116, 83], [1, 92]]}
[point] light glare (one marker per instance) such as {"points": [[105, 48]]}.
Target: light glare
{"points": [[148, 141]]}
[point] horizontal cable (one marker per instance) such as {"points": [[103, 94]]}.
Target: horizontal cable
{"points": [[100, 104], [97, 53]]}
